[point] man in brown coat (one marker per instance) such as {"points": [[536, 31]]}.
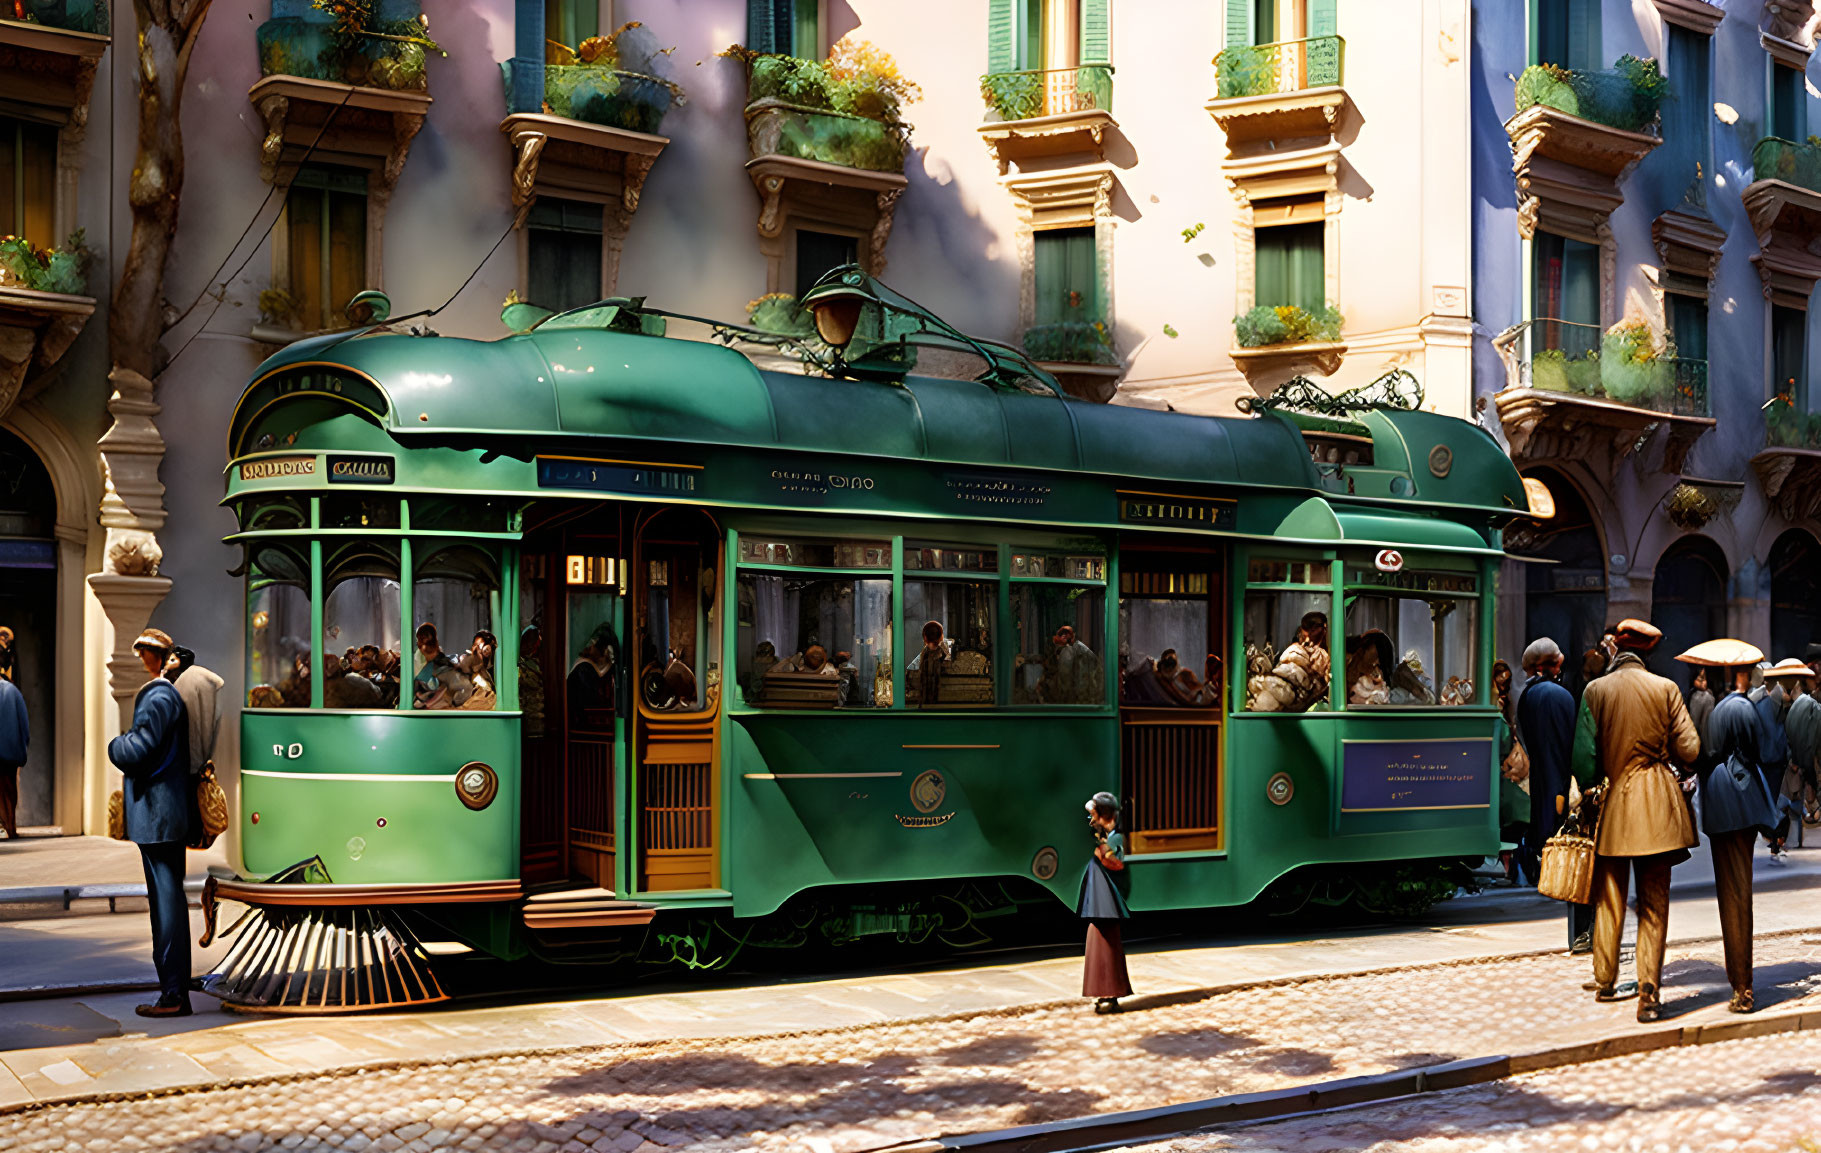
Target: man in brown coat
{"points": [[1633, 726]]}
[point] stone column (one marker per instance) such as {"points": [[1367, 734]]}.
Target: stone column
{"points": [[132, 510]]}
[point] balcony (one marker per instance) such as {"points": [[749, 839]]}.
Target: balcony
{"points": [[1575, 136], [1277, 342], [1079, 354], [1270, 94], [1575, 392], [1035, 114], [42, 311], [1784, 202]]}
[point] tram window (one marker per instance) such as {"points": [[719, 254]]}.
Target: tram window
{"points": [[453, 599], [800, 553], [278, 630], [1166, 652], [939, 558], [433, 514], [1066, 566], [1060, 630], [360, 623], [359, 512], [1410, 650], [273, 513], [672, 669], [1287, 662], [951, 642], [814, 642], [1261, 571]]}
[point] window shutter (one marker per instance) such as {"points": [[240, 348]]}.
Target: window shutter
{"points": [[768, 25], [1239, 23], [1001, 36], [1323, 20], [1096, 33]]}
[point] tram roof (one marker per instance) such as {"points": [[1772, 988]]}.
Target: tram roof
{"points": [[555, 385]]}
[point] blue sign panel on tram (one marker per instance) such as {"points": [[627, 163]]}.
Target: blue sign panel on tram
{"points": [[1392, 776], [616, 476]]}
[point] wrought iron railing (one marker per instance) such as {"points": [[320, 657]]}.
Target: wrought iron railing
{"points": [[1289, 66], [1777, 159], [69, 15], [1581, 360], [1028, 94], [1626, 98]]}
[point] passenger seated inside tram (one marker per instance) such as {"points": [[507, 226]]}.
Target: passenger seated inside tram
{"points": [[925, 689], [1295, 680], [343, 688], [764, 659], [590, 683], [849, 673], [439, 684], [1367, 656], [477, 665], [813, 659], [1071, 672], [1410, 685]]}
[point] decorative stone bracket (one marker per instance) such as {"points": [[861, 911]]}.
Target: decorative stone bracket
{"points": [[1787, 220], [556, 156], [1792, 480], [1268, 366], [1569, 169], [1697, 16], [1079, 137], [1542, 425], [1688, 245], [1252, 123], [812, 192], [36, 329]]}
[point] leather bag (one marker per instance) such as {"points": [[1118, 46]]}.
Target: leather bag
{"points": [[212, 806], [1566, 870]]}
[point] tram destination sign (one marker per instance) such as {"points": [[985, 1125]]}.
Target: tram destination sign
{"points": [[617, 476], [1405, 775], [1178, 511], [360, 470], [275, 467]]}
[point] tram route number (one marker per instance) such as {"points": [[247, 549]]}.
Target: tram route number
{"points": [[290, 752]]}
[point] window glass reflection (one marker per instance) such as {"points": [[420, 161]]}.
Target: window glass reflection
{"points": [[952, 665], [1413, 651], [1060, 631], [814, 642], [278, 629], [452, 598], [1287, 660]]}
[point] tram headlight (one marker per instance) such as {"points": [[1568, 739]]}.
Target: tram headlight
{"points": [[836, 318], [476, 784]]}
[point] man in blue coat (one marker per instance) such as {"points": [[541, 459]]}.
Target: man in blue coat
{"points": [[154, 756], [1545, 727], [15, 735]]}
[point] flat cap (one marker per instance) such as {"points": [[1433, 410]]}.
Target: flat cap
{"points": [[155, 639], [1640, 636]]}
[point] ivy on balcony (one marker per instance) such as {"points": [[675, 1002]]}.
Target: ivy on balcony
{"points": [[1030, 93], [1626, 97], [45, 270], [1290, 66], [1785, 160], [69, 15], [1070, 342], [1786, 426], [844, 110], [1287, 324], [608, 80], [1627, 363], [368, 43]]}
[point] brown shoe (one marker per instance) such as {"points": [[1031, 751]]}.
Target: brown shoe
{"points": [[167, 1007], [1741, 1001], [1649, 1008]]}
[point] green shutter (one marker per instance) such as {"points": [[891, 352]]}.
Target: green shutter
{"points": [[1323, 19], [1096, 33], [768, 25], [1068, 276], [1289, 266], [1001, 36], [1030, 35], [806, 29], [1239, 23]]}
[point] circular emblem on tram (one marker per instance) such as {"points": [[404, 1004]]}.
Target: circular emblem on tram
{"points": [[476, 784], [927, 791], [1280, 788], [1043, 865], [1388, 560], [1441, 460]]}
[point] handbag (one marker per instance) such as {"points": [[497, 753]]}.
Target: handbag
{"points": [[1566, 870], [212, 806]]}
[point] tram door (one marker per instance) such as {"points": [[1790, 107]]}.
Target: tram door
{"points": [[1172, 678], [675, 650]]}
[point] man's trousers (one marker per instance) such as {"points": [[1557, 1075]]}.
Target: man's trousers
{"points": [[1732, 885], [170, 916], [1611, 877]]}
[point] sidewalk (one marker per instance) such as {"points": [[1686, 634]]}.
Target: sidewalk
{"points": [[31, 865], [82, 1047]]}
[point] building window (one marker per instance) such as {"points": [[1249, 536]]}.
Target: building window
{"points": [[1788, 352], [1289, 267], [1565, 33], [569, 22], [1687, 325], [1275, 21], [28, 180], [817, 252], [563, 254], [1070, 39], [1067, 276], [326, 225], [1788, 100], [1565, 290], [785, 27], [1687, 114]]}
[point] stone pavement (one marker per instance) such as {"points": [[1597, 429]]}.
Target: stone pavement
{"points": [[95, 1044], [847, 1090], [39, 862], [1761, 1095]]}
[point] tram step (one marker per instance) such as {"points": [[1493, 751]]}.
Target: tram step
{"points": [[583, 908]]}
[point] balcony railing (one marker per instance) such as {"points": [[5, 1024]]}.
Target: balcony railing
{"points": [[1788, 426], [1290, 66], [1029, 94], [1785, 160], [69, 15], [1580, 360], [1625, 97], [607, 96]]}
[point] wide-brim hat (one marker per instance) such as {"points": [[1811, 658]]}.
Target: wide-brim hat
{"points": [[1789, 667], [1722, 653]]}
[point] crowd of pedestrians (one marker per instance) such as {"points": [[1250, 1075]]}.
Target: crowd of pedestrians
{"points": [[1636, 760]]}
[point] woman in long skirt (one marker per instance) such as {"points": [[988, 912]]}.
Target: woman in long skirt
{"points": [[1102, 906]]}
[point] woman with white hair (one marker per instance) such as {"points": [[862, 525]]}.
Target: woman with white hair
{"points": [[1103, 906]]}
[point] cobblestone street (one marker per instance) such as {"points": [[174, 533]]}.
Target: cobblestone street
{"points": [[1755, 1096], [850, 1090]]}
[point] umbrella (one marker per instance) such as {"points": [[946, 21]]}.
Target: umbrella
{"points": [[1722, 653]]}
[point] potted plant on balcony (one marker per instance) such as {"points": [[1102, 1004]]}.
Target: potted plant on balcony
{"points": [[843, 110], [1635, 364], [1071, 342], [61, 270], [611, 80], [1626, 97], [1284, 340], [370, 43], [1245, 70]]}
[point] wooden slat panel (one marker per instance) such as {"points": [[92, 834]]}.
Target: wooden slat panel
{"points": [[1172, 783]]}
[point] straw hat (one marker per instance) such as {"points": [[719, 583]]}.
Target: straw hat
{"points": [[1722, 653], [1789, 667]]}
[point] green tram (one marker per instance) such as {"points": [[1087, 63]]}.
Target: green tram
{"points": [[556, 634]]}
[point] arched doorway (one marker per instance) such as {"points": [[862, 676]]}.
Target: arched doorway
{"points": [[1688, 602], [28, 606], [1565, 591], [1795, 595]]}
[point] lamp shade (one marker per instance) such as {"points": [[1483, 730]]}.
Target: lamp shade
{"points": [[1722, 653]]}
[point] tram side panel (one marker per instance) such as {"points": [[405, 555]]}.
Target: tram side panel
{"points": [[826, 799], [382, 798]]}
